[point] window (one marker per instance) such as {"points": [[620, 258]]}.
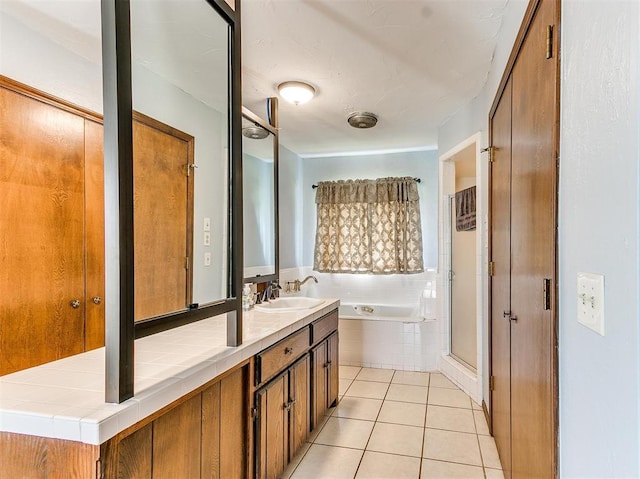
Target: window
{"points": [[368, 226]]}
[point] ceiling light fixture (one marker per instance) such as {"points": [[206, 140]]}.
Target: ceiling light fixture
{"points": [[296, 92]]}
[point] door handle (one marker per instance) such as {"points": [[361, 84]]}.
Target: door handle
{"points": [[507, 314], [97, 300]]}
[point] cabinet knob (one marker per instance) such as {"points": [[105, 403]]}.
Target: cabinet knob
{"points": [[288, 350], [75, 304], [97, 300]]}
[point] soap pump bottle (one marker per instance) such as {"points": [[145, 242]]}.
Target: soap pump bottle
{"points": [[246, 297]]}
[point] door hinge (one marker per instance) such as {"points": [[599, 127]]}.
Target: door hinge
{"points": [[546, 294], [186, 262], [254, 413], [492, 268], [491, 150], [549, 41], [492, 383]]}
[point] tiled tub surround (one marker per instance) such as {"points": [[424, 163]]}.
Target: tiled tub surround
{"points": [[410, 346], [65, 399]]}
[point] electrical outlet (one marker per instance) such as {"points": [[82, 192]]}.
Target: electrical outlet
{"points": [[591, 301], [207, 238], [206, 224], [207, 259]]}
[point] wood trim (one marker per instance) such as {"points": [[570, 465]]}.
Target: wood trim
{"points": [[517, 46], [39, 95]]}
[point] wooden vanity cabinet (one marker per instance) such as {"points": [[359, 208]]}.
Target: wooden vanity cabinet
{"points": [[291, 402], [282, 419], [204, 435]]}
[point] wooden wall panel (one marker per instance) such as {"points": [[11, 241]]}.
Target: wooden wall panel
{"points": [[233, 424], [177, 442], [211, 432], [135, 455], [32, 457]]}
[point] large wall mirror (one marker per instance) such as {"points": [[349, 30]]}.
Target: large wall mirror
{"points": [[260, 198], [172, 172], [180, 71]]}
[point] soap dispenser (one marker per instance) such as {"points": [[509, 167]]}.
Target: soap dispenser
{"points": [[246, 297]]}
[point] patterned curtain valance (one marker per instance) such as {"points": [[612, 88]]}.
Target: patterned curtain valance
{"points": [[368, 226], [367, 191]]}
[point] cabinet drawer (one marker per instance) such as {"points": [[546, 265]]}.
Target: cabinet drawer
{"points": [[281, 355], [324, 326]]}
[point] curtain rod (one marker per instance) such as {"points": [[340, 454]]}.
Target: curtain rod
{"points": [[418, 180]]}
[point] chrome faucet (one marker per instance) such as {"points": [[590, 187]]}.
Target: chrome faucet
{"points": [[271, 291], [297, 283]]}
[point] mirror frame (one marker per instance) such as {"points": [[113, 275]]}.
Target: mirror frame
{"points": [[120, 328], [252, 117]]}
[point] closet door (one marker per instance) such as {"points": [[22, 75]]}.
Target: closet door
{"points": [[41, 232], [524, 132], [501, 280], [533, 244]]}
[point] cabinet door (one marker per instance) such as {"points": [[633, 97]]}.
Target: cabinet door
{"points": [[272, 430], [300, 413], [319, 383], [332, 369]]}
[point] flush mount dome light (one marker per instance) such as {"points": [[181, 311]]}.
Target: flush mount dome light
{"points": [[362, 119], [296, 92]]}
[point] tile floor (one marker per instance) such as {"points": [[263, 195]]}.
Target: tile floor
{"points": [[396, 425]]}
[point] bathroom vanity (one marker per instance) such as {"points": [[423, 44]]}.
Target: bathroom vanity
{"points": [[201, 409]]}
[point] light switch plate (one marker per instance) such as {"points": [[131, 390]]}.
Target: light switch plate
{"points": [[207, 239], [207, 259], [591, 301], [206, 224]]}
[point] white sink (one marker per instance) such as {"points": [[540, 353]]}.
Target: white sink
{"points": [[281, 305]]}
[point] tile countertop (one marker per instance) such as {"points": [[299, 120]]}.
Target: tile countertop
{"points": [[64, 399]]}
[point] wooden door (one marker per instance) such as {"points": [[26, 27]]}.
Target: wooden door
{"points": [[133, 456], [272, 436], [163, 217], [500, 204], [533, 246], [300, 398], [41, 232], [524, 126], [332, 370], [94, 220], [319, 383]]}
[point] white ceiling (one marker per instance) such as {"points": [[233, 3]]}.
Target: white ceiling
{"points": [[413, 63]]}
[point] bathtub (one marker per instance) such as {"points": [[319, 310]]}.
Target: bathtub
{"points": [[387, 336], [380, 312]]}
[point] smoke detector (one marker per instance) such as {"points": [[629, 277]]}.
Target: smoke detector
{"points": [[255, 132], [362, 119]]}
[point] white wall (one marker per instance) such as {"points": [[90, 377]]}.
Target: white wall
{"points": [[471, 119], [290, 207], [598, 232]]}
